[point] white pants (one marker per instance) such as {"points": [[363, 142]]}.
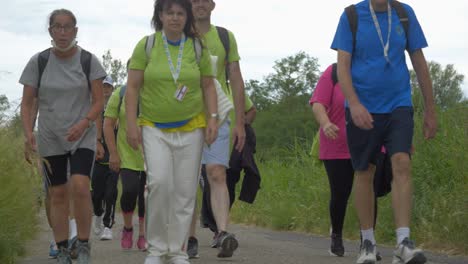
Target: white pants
{"points": [[173, 162]]}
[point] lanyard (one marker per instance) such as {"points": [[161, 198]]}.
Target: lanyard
{"points": [[385, 47], [174, 71]]}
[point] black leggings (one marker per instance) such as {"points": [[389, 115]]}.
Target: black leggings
{"points": [[104, 195], [133, 187], [340, 177]]}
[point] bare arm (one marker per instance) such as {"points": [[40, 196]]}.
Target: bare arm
{"points": [[250, 115], [211, 103], [422, 72], [28, 114], [361, 117], [329, 129], [134, 82], [237, 85], [97, 106], [109, 135]]}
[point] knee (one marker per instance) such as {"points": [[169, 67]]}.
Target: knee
{"points": [[81, 190], [401, 167], [365, 177], [58, 194], [216, 174]]}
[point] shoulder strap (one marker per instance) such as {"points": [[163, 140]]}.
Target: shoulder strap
{"points": [[353, 21], [403, 16], [224, 37], [197, 46], [149, 45], [42, 61], [334, 74], [86, 64], [121, 96]]}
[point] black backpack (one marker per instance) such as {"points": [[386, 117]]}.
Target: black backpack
{"points": [[43, 59], [353, 19], [224, 37]]}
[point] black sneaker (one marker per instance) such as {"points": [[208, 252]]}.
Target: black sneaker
{"points": [[63, 256], [214, 242], [72, 243], [227, 244], [378, 256], [336, 247], [192, 248]]}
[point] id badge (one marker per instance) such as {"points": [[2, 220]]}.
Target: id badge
{"points": [[181, 92]]}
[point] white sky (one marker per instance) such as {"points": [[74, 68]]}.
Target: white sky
{"points": [[266, 30]]}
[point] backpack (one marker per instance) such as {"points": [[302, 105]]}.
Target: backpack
{"points": [[353, 19], [334, 74], [223, 35], [43, 59]]}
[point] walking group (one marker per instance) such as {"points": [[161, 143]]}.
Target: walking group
{"points": [[169, 129]]}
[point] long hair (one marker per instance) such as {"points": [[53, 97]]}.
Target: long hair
{"points": [[161, 5]]}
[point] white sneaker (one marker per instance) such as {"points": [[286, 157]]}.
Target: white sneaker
{"points": [[98, 226], [407, 253], [367, 253], [106, 234], [153, 260]]}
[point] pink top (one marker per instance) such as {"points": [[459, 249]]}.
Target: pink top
{"points": [[334, 101]]}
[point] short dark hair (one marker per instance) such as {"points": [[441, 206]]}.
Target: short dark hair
{"points": [[61, 11], [161, 5]]}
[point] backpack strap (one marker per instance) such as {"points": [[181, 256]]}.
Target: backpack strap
{"points": [[149, 44], [223, 35], [353, 22], [85, 60], [197, 46], [334, 74], [42, 61], [403, 16], [121, 96]]}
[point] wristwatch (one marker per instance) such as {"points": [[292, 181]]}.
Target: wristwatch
{"points": [[214, 115]]}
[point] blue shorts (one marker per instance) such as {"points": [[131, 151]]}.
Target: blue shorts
{"points": [[218, 152], [394, 131]]}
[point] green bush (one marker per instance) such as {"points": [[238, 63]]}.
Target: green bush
{"points": [[18, 197], [295, 192]]}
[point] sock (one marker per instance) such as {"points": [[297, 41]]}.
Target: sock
{"points": [[368, 235], [62, 244], [402, 233], [72, 228]]}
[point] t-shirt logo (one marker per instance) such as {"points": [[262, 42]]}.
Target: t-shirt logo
{"points": [[400, 30]]}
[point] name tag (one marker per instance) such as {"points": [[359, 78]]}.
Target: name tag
{"points": [[180, 93]]}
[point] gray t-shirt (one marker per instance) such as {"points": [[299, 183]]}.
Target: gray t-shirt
{"points": [[64, 99]]}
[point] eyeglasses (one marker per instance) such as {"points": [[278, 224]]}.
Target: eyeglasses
{"points": [[56, 28]]}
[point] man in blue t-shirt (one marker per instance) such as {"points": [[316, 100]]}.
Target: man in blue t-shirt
{"points": [[375, 80]]}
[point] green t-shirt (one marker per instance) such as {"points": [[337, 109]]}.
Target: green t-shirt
{"points": [[130, 158], [157, 100]]}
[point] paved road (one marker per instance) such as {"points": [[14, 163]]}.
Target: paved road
{"points": [[257, 246]]}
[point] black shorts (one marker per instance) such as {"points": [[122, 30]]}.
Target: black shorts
{"points": [[394, 131], [55, 167]]}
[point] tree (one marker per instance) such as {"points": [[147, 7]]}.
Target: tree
{"points": [[115, 68], [294, 75], [446, 83], [4, 106], [258, 93]]}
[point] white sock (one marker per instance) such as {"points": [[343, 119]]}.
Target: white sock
{"points": [[72, 228], [402, 233], [368, 235]]}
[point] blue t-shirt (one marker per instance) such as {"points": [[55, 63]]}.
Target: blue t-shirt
{"points": [[380, 86]]}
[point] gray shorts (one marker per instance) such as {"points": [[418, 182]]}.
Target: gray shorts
{"points": [[218, 152]]}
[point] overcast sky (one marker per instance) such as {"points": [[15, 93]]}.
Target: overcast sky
{"points": [[266, 30]]}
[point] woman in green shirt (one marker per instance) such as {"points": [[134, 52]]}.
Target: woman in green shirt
{"points": [[173, 85]]}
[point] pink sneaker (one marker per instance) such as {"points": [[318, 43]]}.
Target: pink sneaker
{"points": [[141, 243], [127, 239]]}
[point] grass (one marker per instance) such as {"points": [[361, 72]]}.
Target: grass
{"points": [[295, 191], [18, 198]]}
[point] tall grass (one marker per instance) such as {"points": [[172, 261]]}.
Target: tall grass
{"points": [[18, 197], [295, 192]]}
